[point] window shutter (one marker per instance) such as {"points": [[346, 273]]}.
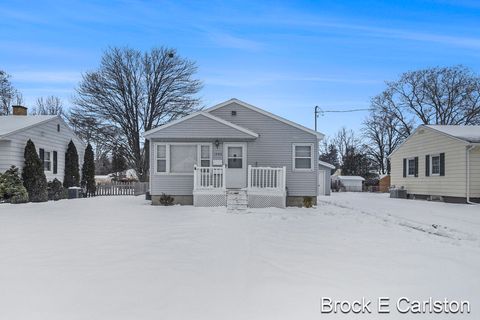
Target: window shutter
{"points": [[54, 162], [442, 164], [404, 168], [427, 165], [416, 166], [41, 154]]}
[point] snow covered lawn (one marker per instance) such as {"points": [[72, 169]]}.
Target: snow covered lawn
{"points": [[120, 258]]}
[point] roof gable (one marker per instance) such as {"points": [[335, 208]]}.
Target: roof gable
{"points": [[11, 124], [264, 112], [213, 129]]}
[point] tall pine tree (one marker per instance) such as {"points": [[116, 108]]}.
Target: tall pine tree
{"points": [[72, 173], [118, 161], [33, 176], [88, 172]]}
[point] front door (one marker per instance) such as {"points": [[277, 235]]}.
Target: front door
{"points": [[235, 157]]}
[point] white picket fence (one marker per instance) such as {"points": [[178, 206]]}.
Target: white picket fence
{"points": [[121, 188]]}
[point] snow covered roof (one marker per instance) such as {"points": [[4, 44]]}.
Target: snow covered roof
{"points": [[466, 133], [358, 178], [326, 164], [10, 124]]}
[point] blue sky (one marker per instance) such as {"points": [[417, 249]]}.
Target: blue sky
{"points": [[285, 57]]}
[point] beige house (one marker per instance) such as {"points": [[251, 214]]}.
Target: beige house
{"points": [[439, 162]]}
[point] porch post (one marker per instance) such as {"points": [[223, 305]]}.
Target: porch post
{"points": [[284, 179], [249, 176], [194, 177], [224, 180]]}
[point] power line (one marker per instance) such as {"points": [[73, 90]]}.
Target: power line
{"points": [[320, 112]]}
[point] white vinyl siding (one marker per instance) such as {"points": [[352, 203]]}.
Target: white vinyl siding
{"points": [[44, 136]]}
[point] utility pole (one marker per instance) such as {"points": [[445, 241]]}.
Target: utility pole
{"points": [[317, 112]]}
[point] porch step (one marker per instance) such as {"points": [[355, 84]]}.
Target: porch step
{"points": [[237, 200]]}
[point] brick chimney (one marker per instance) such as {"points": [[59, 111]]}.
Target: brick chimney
{"points": [[19, 110]]}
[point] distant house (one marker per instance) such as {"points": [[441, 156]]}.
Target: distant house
{"points": [[349, 183], [50, 134], [324, 174], [234, 153], [439, 161]]}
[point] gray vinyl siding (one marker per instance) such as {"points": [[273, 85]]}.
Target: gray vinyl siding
{"points": [[200, 127], [44, 136], [273, 148]]}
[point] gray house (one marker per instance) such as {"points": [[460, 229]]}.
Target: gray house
{"points": [[50, 134], [234, 151]]}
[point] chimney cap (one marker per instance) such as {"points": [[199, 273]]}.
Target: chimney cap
{"points": [[19, 110]]}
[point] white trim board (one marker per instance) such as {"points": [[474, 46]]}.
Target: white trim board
{"points": [[264, 112], [205, 114]]}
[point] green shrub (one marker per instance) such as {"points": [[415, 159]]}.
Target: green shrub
{"points": [[33, 177], [166, 200], [307, 202], [11, 187], [20, 196], [56, 191], [72, 172]]}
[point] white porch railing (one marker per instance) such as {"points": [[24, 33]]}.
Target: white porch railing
{"points": [[266, 179], [208, 178]]}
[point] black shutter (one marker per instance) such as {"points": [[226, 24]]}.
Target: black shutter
{"points": [[416, 166], [404, 168], [427, 165], [41, 154], [442, 164], [54, 162]]}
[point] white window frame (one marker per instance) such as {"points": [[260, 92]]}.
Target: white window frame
{"points": [[431, 164], [167, 150], [408, 167], [210, 154], [50, 152], [312, 156]]}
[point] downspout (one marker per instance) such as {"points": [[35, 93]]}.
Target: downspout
{"points": [[467, 153]]}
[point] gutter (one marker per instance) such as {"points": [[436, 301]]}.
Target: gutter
{"points": [[467, 153]]}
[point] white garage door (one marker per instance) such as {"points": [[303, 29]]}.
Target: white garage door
{"points": [[321, 182]]}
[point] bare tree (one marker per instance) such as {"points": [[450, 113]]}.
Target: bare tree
{"points": [[449, 95], [446, 96], [345, 139], [383, 132], [135, 92], [51, 105], [8, 94]]}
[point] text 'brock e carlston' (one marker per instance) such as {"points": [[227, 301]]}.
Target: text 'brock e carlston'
{"points": [[401, 305]]}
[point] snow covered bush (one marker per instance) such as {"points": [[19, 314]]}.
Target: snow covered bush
{"points": [[34, 179], [166, 200], [11, 187], [307, 202], [56, 191]]}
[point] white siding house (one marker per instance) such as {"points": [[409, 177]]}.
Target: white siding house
{"points": [[50, 134], [324, 178], [439, 161]]}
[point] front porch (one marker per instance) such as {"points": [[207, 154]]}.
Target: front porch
{"points": [[265, 187]]}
